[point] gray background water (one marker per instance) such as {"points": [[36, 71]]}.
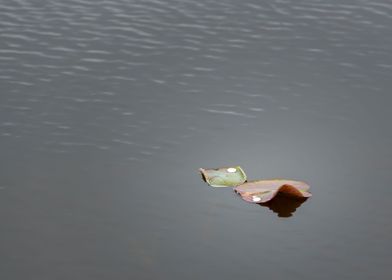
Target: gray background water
{"points": [[108, 108]]}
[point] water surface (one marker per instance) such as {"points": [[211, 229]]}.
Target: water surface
{"points": [[108, 108]]}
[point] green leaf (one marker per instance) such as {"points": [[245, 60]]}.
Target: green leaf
{"points": [[224, 176]]}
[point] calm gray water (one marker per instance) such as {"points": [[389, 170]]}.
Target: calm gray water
{"points": [[108, 108]]}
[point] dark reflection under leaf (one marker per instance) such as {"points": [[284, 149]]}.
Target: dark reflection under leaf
{"points": [[283, 205]]}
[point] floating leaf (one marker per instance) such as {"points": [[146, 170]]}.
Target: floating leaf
{"points": [[224, 177], [265, 190]]}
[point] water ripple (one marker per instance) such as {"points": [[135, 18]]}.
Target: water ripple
{"points": [[168, 65]]}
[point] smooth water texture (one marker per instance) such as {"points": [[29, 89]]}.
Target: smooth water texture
{"points": [[108, 109]]}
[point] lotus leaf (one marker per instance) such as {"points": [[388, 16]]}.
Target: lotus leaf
{"points": [[264, 190], [224, 177]]}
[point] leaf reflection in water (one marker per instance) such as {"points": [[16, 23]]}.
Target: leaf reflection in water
{"points": [[283, 205]]}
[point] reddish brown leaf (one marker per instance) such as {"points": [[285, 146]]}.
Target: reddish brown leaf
{"points": [[265, 190]]}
